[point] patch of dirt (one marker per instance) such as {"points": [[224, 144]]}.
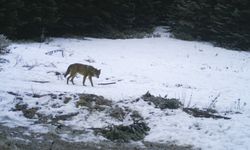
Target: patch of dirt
{"points": [[93, 101], [117, 136], [67, 99], [29, 113], [20, 107], [162, 103], [120, 133], [15, 139], [54, 120], [2, 61]]}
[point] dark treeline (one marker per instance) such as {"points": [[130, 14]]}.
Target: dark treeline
{"points": [[223, 22]]}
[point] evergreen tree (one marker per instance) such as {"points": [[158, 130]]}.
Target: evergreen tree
{"points": [[9, 17], [145, 15], [36, 17], [189, 19], [223, 22], [231, 23]]}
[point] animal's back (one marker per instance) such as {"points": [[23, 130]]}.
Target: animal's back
{"points": [[79, 68], [85, 70]]}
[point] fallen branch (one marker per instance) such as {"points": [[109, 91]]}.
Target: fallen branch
{"points": [[201, 113], [55, 51], [12, 93], [30, 66], [39, 81], [37, 65], [107, 83]]}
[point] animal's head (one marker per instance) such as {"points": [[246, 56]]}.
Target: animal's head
{"points": [[98, 72]]}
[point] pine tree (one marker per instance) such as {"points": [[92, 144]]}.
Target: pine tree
{"points": [[223, 22], [9, 16], [36, 17], [231, 23]]}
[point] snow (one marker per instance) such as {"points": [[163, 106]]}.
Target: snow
{"points": [[194, 72]]}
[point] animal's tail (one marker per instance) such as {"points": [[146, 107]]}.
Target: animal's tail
{"points": [[67, 72]]}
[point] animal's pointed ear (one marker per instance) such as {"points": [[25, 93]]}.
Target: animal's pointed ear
{"points": [[100, 70]]}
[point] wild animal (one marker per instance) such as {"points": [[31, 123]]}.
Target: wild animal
{"points": [[85, 70]]}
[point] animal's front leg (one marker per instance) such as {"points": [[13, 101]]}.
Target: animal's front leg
{"points": [[72, 79], [68, 79], [84, 79], [90, 79]]}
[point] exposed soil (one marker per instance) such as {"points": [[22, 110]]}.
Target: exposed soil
{"points": [[162, 103], [117, 136], [15, 139]]}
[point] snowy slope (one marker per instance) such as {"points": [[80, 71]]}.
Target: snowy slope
{"points": [[195, 72]]}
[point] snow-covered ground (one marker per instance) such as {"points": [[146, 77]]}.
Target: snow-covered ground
{"points": [[196, 73]]}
